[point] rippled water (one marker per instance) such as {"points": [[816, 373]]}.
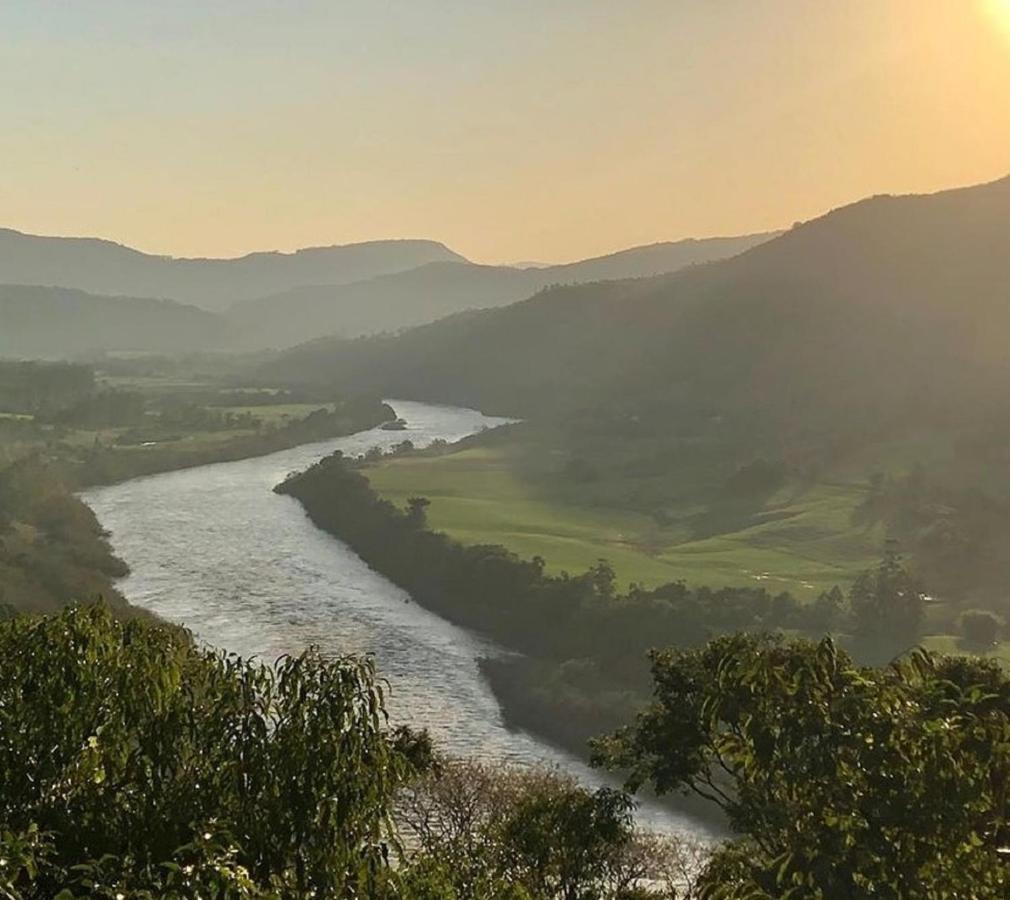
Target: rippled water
{"points": [[214, 549]]}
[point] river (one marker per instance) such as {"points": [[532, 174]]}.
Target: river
{"points": [[214, 549]]}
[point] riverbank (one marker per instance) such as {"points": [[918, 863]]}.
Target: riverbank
{"points": [[54, 551], [246, 570], [111, 465], [584, 669]]}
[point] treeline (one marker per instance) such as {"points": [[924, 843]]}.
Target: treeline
{"points": [[52, 548], [489, 588], [108, 465], [135, 763], [583, 643], [41, 388]]}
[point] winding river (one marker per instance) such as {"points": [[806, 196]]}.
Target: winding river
{"points": [[214, 549]]}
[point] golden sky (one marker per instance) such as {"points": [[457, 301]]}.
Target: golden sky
{"points": [[509, 129]]}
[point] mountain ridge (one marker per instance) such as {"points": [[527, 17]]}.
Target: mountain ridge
{"points": [[437, 289], [887, 303], [100, 266], [52, 322]]}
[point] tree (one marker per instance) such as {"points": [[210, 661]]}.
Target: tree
{"points": [[981, 628], [842, 781], [491, 831], [888, 608], [417, 512], [133, 761]]}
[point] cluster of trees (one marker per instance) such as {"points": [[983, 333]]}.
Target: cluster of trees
{"points": [[584, 643], [476, 827], [135, 763], [107, 465], [958, 539], [102, 409], [43, 388], [52, 547], [841, 781]]}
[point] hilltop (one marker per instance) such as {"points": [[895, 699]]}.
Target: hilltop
{"points": [[875, 309], [56, 322], [433, 291], [103, 267]]}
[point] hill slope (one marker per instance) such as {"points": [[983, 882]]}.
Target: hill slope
{"points": [[894, 305], [438, 289], [103, 267], [55, 322]]}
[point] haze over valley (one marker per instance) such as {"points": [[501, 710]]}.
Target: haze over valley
{"points": [[274, 299], [341, 559]]}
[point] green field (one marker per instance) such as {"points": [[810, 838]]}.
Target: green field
{"points": [[277, 413], [801, 540], [951, 645]]}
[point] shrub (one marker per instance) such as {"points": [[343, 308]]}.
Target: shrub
{"points": [[134, 762], [980, 628]]}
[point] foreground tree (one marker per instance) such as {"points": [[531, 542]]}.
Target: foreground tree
{"points": [[133, 763], [844, 782], [491, 832]]}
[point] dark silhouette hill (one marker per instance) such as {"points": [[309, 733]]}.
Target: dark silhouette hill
{"points": [[395, 301], [56, 322], [104, 267], [891, 307]]}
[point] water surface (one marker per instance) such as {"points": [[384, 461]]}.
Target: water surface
{"points": [[213, 548]]}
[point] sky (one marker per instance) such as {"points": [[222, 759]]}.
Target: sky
{"points": [[511, 130]]}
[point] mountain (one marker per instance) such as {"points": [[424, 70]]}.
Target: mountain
{"points": [[438, 289], [654, 259], [893, 307], [103, 267], [56, 322], [385, 303]]}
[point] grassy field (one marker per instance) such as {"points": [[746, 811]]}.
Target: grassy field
{"points": [[952, 645], [800, 540], [277, 413]]}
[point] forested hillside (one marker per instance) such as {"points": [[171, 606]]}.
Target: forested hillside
{"points": [[104, 267], [889, 308], [430, 292], [779, 414], [55, 322]]}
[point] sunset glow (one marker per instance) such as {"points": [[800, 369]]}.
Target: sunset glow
{"points": [[1000, 12], [511, 131]]}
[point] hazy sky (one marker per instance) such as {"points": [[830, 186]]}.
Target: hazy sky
{"points": [[547, 130]]}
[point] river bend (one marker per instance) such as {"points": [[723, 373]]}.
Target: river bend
{"points": [[214, 549]]}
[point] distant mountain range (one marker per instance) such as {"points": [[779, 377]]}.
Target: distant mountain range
{"points": [[104, 267], [890, 307], [438, 289], [41, 322], [274, 299]]}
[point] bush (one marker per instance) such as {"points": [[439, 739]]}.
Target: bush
{"points": [[486, 832], [980, 628], [133, 762]]}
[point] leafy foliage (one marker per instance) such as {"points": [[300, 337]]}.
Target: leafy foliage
{"points": [[844, 781], [133, 762], [488, 831], [888, 607]]}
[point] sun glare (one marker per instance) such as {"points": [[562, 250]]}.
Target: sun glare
{"points": [[999, 11]]}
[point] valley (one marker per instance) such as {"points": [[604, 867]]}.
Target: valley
{"points": [[799, 539]]}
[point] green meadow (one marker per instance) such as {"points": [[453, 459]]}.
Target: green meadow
{"points": [[802, 539]]}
